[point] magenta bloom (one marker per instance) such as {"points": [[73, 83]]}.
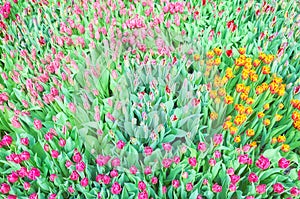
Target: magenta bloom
{"points": [[283, 163], [167, 162], [167, 147], [5, 188], [37, 124], [230, 171], [141, 185], [115, 162], [13, 177], [278, 188], [148, 150], [6, 140], [232, 187], [147, 170], [74, 175], [102, 160], [216, 188], [84, 182], [193, 161], [120, 144], [202, 146], [295, 191], [260, 189], [116, 188], [133, 170], [154, 180], [217, 139], [5, 10], [175, 183], [189, 186], [243, 159], [263, 162], [143, 195], [252, 177], [234, 178]]}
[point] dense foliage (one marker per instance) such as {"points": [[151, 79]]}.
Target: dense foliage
{"points": [[149, 99]]}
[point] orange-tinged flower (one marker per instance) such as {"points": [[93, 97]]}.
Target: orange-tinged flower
{"points": [[210, 62], [281, 90], [222, 92], [213, 94], [228, 99], [217, 61], [295, 103], [228, 118], [233, 130], [277, 80], [217, 81], [218, 51], [244, 96], [281, 106], [196, 57], [224, 80], [273, 87], [267, 122], [254, 77], [281, 138], [241, 110], [266, 70], [237, 139], [210, 54], [260, 115], [240, 119], [227, 125], [238, 106], [239, 62], [259, 90], [245, 74], [296, 124], [242, 51], [250, 132], [253, 144], [265, 86], [278, 117], [247, 66], [246, 89], [267, 106], [248, 110], [295, 115], [250, 101], [229, 74], [239, 88], [285, 148], [252, 72], [274, 140], [213, 116], [243, 57], [268, 59], [256, 63], [262, 56]]}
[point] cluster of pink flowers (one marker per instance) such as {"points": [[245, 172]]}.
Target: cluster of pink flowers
{"points": [[174, 7], [5, 10], [3, 98], [135, 22]]}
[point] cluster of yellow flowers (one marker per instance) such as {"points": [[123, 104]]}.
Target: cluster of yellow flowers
{"points": [[248, 70]]}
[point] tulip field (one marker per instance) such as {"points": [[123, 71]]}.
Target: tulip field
{"points": [[149, 99]]}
